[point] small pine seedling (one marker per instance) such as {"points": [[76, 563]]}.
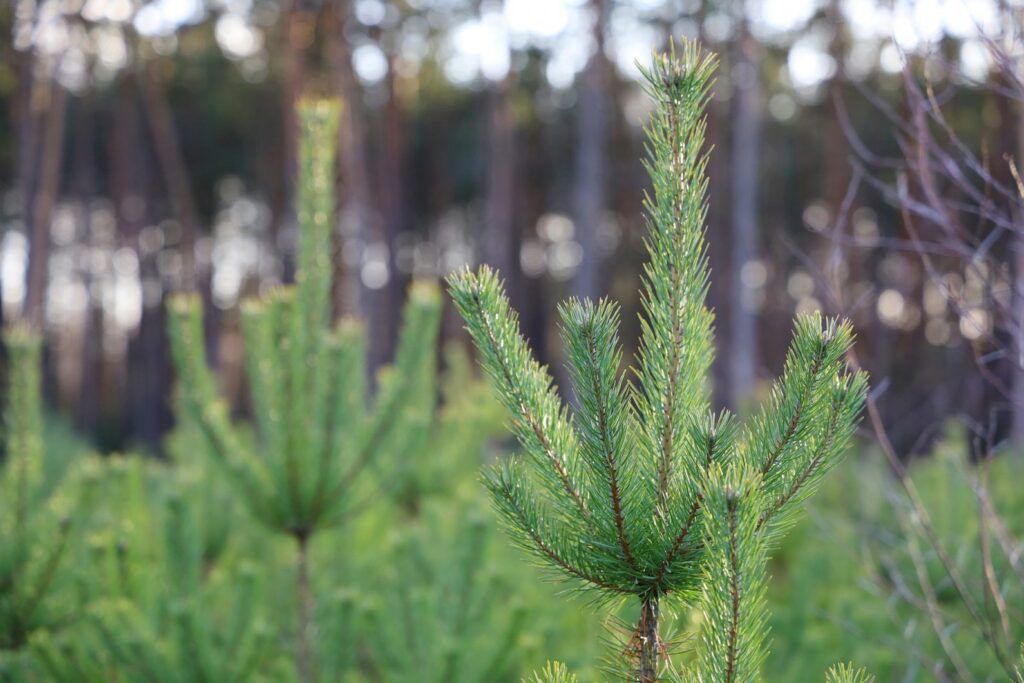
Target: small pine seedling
{"points": [[317, 440], [845, 673], [641, 490], [36, 528], [554, 672], [456, 623], [151, 590]]}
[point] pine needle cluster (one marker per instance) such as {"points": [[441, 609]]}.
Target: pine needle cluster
{"points": [[640, 489]]}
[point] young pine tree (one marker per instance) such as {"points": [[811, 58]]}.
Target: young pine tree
{"points": [[641, 491], [443, 612], [845, 673], [158, 609], [36, 527], [318, 442]]}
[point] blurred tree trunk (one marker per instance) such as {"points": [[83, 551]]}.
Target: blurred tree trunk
{"points": [[837, 150], [148, 367], [51, 107], [719, 206], [87, 408], [538, 162], [858, 262], [1013, 124], [746, 158], [195, 276], [591, 157], [391, 144], [500, 243], [26, 119], [356, 214], [299, 26], [167, 147]]}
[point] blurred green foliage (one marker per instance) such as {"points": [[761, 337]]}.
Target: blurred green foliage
{"points": [[852, 581], [169, 580], [163, 568]]}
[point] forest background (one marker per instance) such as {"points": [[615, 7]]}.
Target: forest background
{"points": [[149, 147]]}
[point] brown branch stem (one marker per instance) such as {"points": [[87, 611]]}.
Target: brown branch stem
{"points": [[306, 609], [734, 591], [650, 643]]}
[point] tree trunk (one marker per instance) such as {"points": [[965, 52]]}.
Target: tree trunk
{"points": [[355, 200], [42, 202], [591, 159], [837, 150], [167, 147], [29, 114], [719, 210], [305, 658], [500, 244], [746, 154], [299, 25], [87, 407], [649, 641], [385, 314], [194, 276], [148, 361]]}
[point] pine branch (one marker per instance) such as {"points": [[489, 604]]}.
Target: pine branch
{"points": [[199, 396], [262, 321], [779, 436], [44, 576], [824, 449], [714, 440], [395, 414], [152, 613], [676, 344], [590, 333], [529, 529], [308, 380], [540, 420], [734, 630]]}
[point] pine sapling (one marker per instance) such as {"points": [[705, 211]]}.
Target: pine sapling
{"points": [[318, 441], [36, 527], [554, 672], [173, 638], [157, 610], [640, 491], [845, 673], [443, 612]]}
